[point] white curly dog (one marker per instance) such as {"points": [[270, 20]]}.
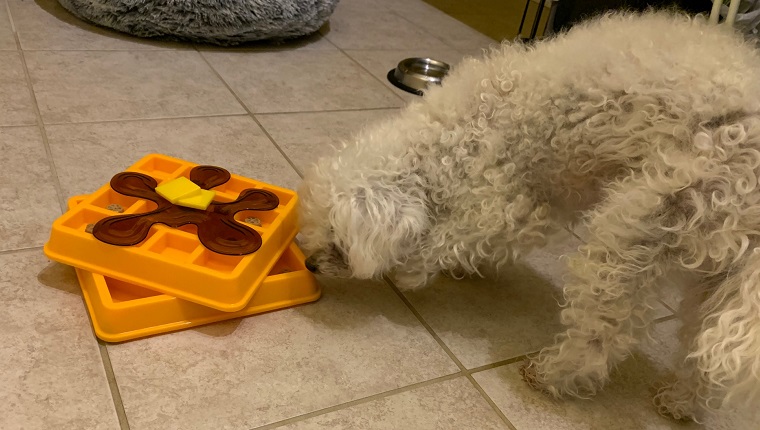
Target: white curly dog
{"points": [[647, 124]]}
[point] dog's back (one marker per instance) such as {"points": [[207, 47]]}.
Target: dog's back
{"points": [[603, 98]]}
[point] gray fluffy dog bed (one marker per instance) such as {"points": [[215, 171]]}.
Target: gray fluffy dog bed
{"points": [[221, 22]]}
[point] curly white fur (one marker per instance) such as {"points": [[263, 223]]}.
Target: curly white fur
{"points": [[647, 124]]}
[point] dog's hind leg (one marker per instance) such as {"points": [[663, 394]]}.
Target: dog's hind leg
{"points": [[678, 398], [610, 300], [724, 354]]}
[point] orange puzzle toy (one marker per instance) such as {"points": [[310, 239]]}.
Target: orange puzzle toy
{"points": [[189, 260], [156, 266], [121, 311]]}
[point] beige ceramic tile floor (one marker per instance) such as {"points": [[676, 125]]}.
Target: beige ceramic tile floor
{"points": [[79, 103]]}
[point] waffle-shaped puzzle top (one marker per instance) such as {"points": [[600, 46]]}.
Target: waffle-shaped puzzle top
{"points": [[217, 228], [209, 257]]}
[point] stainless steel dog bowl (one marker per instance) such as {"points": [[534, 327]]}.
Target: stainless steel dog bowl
{"points": [[414, 75]]}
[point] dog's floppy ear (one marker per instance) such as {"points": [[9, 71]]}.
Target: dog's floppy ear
{"points": [[379, 225]]}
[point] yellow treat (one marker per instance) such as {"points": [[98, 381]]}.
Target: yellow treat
{"points": [[197, 201], [177, 189]]}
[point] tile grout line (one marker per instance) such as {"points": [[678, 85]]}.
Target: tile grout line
{"points": [[167, 47], [17, 125], [463, 372], [424, 323], [19, 250], [40, 124], [462, 369], [105, 359], [353, 60], [250, 113], [13, 26], [496, 364], [567, 227], [164, 118], [172, 118], [113, 385], [440, 39], [490, 402], [667, 306], [157, 49], [400, 390], [327, 111], [666, 318], [356, 402]]}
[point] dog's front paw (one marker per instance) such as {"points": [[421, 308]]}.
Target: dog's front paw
{"points": [[530, 376], [567, 384], [676, 401]]}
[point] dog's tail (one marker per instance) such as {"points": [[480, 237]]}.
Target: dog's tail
{"points": [[727, 349]]}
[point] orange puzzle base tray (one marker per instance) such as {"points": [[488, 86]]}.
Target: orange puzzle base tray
{"points": [[121, 311]]}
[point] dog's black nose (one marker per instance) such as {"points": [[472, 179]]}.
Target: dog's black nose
{"points": [[310, 266]]}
